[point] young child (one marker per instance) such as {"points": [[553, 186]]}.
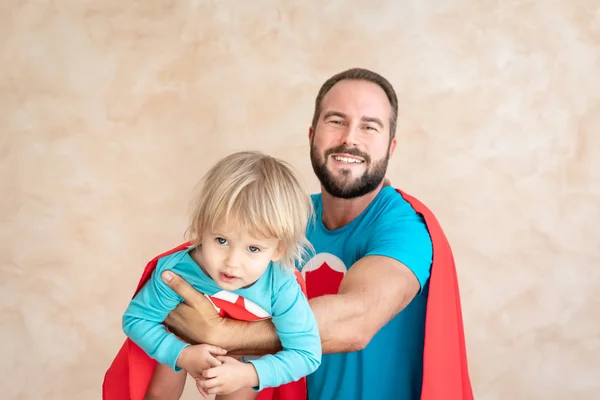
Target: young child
{"points": [[247, 234]]}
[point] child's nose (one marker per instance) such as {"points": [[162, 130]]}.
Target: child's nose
{"points": [[233, 259]]}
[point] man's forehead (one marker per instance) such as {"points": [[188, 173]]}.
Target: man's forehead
{"points": [[357, 98]]}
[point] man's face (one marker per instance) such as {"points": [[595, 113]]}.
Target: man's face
{"points": [[350, 146]]}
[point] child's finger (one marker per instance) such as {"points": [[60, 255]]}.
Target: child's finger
{"points": [[209, 373], [216, 350], [212, 361], [201, 390], [216, 390], [209, 384]]}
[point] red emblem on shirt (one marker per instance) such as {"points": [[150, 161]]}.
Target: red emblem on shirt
{"points": [[237, 307], [323, 275]]}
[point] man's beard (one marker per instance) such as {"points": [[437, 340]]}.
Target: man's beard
{"points": [[368, 182]]}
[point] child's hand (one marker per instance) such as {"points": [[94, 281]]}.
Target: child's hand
{"points": [[228, 377], [197, 358]]}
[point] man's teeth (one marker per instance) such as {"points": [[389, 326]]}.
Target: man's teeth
{"points": [[347, 160]]}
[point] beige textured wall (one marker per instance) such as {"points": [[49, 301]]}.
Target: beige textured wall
{"points": [[111, 110]]}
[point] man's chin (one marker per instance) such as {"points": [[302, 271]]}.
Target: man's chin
{"points": [[345, 176], [343, 183], [349, 190], [343, 192]]}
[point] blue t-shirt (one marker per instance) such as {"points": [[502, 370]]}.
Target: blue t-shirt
{"points": [[276, 294], [391, 365]]}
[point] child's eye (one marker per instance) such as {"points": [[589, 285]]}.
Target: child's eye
{"points": [[254, 249], [220, 240]]}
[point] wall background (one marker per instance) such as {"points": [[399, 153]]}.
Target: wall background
{"points": [[110, 111]]}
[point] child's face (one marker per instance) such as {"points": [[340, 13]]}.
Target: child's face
{"points": [[235, 259]]}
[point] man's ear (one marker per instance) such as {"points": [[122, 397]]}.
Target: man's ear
{"points": [[392, 146], [311, 133]]}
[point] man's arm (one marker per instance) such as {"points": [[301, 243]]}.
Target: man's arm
{"points": [[374, 290]]}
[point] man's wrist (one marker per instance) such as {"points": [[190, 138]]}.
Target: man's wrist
{"points": [[249, 338], [227, 333], [219, 333]]}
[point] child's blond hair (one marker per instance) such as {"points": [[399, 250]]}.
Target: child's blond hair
{"points": [[259, 194]]}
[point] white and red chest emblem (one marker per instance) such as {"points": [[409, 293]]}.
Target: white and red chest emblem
{"points": [[237, 307], [323, 274]]}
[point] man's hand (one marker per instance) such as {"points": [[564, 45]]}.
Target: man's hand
{"points": [[228, 377], [197, 321], [197, 312]]}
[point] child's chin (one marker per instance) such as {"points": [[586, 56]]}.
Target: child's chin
{"points": [[230, 286]]}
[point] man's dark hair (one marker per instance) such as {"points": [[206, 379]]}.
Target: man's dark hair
{"points": [[360, 74]]}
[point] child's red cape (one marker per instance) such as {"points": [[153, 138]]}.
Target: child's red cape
{"points": [[445, 370]]}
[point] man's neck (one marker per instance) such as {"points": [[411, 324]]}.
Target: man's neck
{"points": [[338, 212]]}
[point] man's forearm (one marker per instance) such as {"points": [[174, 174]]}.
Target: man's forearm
{"points": [[338, 328], [248, 338], [340, 323], [237, 337], [343, 327], [260, 337]]}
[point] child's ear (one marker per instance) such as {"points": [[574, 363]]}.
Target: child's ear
{"points": [[278, 253]]}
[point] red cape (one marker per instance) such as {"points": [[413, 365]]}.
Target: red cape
{"points": [[445, 370]]}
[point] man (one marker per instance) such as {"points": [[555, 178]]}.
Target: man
{"points": [[368, 282]]}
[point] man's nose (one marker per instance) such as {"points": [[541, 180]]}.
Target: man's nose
{"points": [[350, 137]]}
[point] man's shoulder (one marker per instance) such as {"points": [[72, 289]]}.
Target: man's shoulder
{"points": [[390, 205], [395, 220], [401, 233], [316, 198], [393, 198]]}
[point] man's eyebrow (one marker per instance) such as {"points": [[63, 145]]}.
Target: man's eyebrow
{"points": [[374, 120], [334, 114]]}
